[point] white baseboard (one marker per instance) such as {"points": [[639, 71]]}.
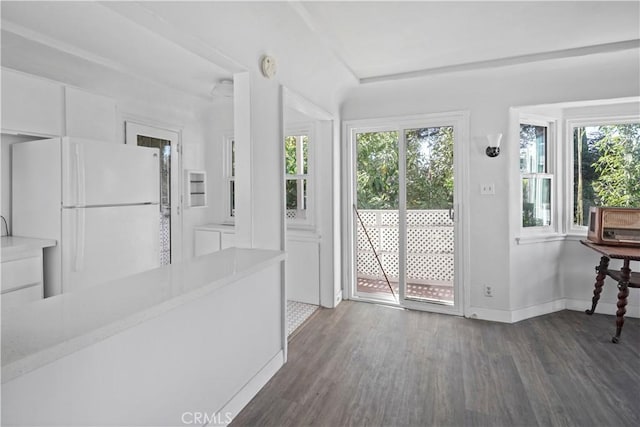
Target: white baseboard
{"points": [[517, 315], [537, 310], [248, 392], [492, 315]]}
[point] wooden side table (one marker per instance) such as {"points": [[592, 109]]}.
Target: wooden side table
{"points": [[625, 277]]}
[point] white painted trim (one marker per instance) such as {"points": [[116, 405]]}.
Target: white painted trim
{"points": [[509, 61], [525, 313], [537, 310], [253, 386], [481, 313]]}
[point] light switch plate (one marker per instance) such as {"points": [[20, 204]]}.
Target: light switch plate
{"points": [[487, 189]]}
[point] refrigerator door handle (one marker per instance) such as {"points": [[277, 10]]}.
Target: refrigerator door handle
{"points": [[78, 262], [80, 176]]}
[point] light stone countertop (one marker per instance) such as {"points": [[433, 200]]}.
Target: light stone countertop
{"points": [[13, 247], [46, 330]]}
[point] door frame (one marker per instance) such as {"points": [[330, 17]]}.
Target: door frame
{"points": [[134, 128], [460, 122]]}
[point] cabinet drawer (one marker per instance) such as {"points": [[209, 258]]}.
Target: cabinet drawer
{"points": [[21, 272], [21, 296]]}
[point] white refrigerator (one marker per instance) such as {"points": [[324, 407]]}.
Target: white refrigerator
{"points": [[98, 200]]}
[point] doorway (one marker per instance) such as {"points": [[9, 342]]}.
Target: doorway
{"points": [[166, 142], [404, 222]]}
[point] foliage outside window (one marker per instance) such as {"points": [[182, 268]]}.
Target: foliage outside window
{"points": [[296, 149], [536, 179], [429, 169], [606, 168]]}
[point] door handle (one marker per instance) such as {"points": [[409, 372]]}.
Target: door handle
{"points": [[452, 214]]}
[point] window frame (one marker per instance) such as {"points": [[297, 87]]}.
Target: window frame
{"points": [[551, 164], [228, 173], [307, 221], [228, 169], [570, 124]]}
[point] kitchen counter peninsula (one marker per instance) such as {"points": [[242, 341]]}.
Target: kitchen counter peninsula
{"points": [[202, 335]]}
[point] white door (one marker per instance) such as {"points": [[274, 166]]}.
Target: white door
{"points": [[169, 189], [100, 244], [101, 173]]}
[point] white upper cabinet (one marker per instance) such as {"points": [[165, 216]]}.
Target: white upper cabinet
{"points": [[89, 115], [30, 105]]}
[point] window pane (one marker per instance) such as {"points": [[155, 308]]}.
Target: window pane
{"points": [[533, 149], [233, 158], [429, 168], [296, 196], [232, 198], [304, 140], [291, 161], [377, 170], [536, 202], [606, 168]]}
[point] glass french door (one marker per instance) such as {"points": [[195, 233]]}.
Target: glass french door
{"points": [[404, 217]]}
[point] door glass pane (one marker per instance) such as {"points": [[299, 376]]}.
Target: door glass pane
{"points": [[165, 193], [430, 228], [376, 216]]}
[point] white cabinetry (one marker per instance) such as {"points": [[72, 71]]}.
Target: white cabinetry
{"points": [[303, 268], [22, 270], [89, 115], [31, 105], [213, 237]]}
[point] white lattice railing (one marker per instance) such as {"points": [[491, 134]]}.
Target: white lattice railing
{"points": [[429, 245]]}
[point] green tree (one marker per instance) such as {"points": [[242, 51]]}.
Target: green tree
{"points": [[618, 165], [429, 171]]}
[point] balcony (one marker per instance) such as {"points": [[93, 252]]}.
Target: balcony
{"points": [[430, 259]]}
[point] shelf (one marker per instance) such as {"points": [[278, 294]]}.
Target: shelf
{"points": [[196, 190]]}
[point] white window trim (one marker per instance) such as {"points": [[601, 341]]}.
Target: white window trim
{"points": [[526, 233], [574, 230]]}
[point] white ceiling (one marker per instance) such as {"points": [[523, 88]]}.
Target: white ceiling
{"points": [[379, 39], [176, 46]]}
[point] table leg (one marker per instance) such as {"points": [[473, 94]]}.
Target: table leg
{"points": [[602, 274], [623, 286]]}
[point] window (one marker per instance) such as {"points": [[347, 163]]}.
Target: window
{"points": [[230, 146], [606, 166], [537, 179], [297, 170], [296, 147]]}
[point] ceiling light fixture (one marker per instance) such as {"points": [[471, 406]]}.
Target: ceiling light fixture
{"points": [[223, 89]]}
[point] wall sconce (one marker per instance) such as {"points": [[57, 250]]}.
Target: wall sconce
{"points": [[494, 144]]}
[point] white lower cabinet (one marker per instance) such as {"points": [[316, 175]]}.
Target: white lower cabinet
{"points": [[22, 279], [213, 237], [206, 242]]}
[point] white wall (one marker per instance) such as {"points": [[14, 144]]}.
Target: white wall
{"points": [[488, 96]]}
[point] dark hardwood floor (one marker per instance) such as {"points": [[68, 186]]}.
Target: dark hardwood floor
{"points": [[369, 365]]}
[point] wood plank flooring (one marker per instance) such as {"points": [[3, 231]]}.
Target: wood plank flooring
{"points": [[370, 365]]}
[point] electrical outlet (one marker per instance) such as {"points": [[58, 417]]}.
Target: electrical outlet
{"points": [[488, 291], [487, 189]]}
